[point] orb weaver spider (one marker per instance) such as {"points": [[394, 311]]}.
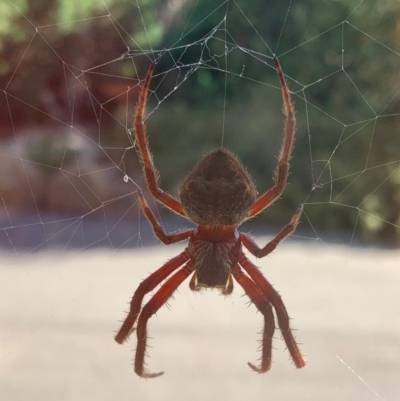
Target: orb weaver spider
{"points": [[218, 196]]}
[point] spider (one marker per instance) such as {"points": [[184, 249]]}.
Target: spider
{"points": [[218, 195]]}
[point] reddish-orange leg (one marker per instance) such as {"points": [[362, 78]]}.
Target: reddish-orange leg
{"points": [[158, 231], [155, 303], [248, 242], [150, 171], [148, 285], [275, 192], [263, 305], [272, 296], [144, 288]]}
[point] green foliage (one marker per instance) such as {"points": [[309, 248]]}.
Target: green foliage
{"points": [[68, 12], [9, 13]]}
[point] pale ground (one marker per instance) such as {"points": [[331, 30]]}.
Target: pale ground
{"points": [[58, 313]]}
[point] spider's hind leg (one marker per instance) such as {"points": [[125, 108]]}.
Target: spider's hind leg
{"points": [[144, 288], [264, 306], [270, 294], [155, 303]]}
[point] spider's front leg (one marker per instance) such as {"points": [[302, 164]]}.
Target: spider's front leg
{"points": [[149, 170], [288, 139]]}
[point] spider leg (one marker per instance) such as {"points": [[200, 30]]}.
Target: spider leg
{"points": [[249, 243], [145, 287], [283, 318], [149, 170], [283, 167], [155, 303], [158, 230], [264, 306]]}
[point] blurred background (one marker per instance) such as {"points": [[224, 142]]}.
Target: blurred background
{"points": [[70, 75], [74, 244]]}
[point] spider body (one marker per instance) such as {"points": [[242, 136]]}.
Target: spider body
{"points": [[218, 195], [219, 191]]}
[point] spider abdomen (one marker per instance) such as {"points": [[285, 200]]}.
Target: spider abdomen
{"points": [[219, 191]]}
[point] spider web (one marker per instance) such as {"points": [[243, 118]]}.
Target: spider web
{"points": [[69, 188]]}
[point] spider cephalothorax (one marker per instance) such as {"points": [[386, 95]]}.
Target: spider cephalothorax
{"points": [[219, 191], [218, 195]]}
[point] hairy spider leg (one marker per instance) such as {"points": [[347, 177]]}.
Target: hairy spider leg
{"points": [[249, 243], [283, 318], [288, 139], [155, 303], [158, 230], [264, 306], [144, 288], [149, 169]]}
